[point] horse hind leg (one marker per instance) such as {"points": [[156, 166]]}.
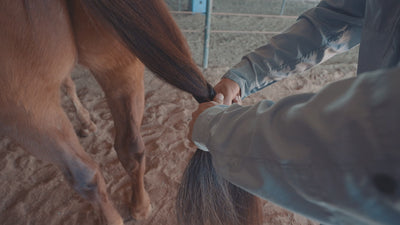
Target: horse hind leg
{"points": [[124, 90], [120, 74], [34, 118], [39, 52], [87, 125], [49, 136]]}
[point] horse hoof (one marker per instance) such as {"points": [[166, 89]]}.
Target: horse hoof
{"points": [[142, 213], [92, 128], [83, 133], [112, 219], [119, 222]]}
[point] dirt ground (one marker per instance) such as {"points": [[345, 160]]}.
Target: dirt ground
{"points": [[35, 192]]}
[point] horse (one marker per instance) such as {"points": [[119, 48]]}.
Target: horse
{"points": [[41, 42]]}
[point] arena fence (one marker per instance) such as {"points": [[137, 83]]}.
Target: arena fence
{"points": [[274, 9]]}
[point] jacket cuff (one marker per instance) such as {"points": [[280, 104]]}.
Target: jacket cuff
{"points": [[202, 126], [240, 81]]}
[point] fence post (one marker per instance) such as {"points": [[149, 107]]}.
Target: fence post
{"points": [[207, 34], [283, 7]]}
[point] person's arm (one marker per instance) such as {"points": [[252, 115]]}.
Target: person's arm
{"points": [[330, 28], [337, 150]]}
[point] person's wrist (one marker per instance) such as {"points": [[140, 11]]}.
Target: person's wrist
{"points": [[229, 88], [202, 125], [231, 83]]}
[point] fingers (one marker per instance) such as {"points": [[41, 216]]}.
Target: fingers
{"points": [[219, 98], [201, 108], [229, 89], [228, 100], [237, 100]]}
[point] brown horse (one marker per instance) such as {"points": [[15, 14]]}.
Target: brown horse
{"points": [[40, 43]]}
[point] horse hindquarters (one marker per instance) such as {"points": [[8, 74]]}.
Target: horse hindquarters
{"points": [[120, 74], [37, 52]]}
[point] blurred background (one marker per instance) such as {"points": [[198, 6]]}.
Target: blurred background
{"points": [[238, 26]]}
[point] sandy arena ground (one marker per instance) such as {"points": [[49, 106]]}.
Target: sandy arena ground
{"points": [[35, 192]]}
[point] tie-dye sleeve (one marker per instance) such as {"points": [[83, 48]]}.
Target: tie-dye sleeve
{"points": [[330, 28]]}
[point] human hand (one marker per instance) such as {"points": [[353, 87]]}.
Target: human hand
{"points": [[230, 90], [218, 100]]}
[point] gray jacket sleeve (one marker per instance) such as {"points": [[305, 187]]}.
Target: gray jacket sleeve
{"points": [[330, 28], [333, 156]]}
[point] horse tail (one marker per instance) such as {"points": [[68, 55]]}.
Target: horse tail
{"points": [[205, 198], [148, 30]]}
